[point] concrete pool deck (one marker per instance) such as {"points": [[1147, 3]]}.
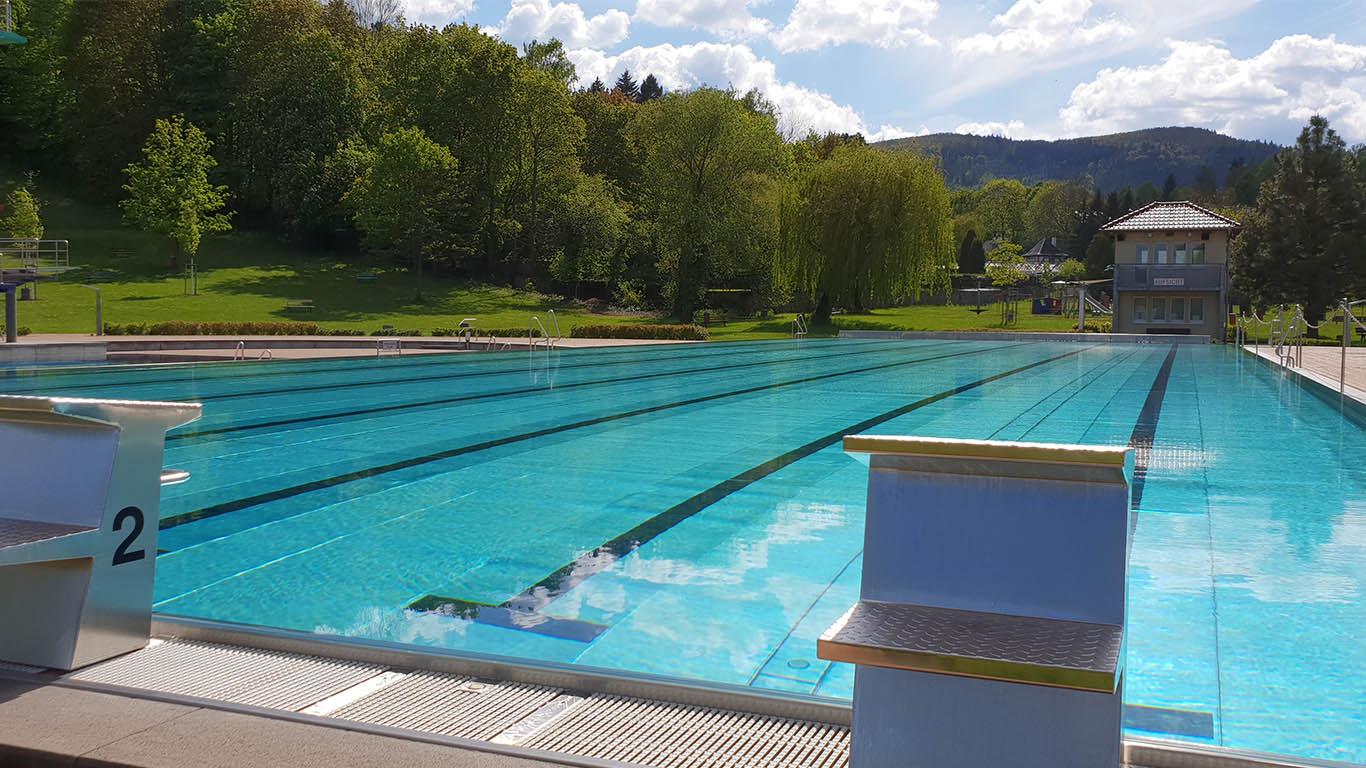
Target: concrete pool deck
{"points": [[1324, 366], [78, 348]]}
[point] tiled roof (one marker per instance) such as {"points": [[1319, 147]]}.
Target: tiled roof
{"points": [[1161, 216], [1046, 248]]}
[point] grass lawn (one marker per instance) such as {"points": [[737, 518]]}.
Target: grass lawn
{"points": [[248, 277]]}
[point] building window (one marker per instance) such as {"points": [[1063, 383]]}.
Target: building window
{"points": [[1140, 309], [1179, 253], [1178, 310], [1160, 252], [1141, 254], [1159, 310], [1197, 310], [1198, 253]]}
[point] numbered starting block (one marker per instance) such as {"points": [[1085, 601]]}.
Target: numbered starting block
{"points": [[80, 486]]}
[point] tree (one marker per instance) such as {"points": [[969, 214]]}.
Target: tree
{"points": [[972, 259], [866, 228], [1001, 206], [597, 86], [1100, 254], [545, 163], [1206, 183], [607, 149], [1306, 241], [703, 148], [406, 203], [650, 89], [626, 86], [169, 193], [1052, 210], [1169, 186], [1072, 270], [1005, 265], [550, 57], [21, 215], [591, 223]]}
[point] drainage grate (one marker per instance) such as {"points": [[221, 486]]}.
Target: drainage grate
{"points": [[452, 705], [680, 736], [287, 681]]}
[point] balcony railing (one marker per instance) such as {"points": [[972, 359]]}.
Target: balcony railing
{"points": [[1169, 277]]}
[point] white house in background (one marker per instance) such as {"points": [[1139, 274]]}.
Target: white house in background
{"points": [[1171, 269]]}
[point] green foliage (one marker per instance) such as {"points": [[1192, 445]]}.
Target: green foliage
{"points": [[1053, 209], [212, 328], [405, 202], [592, 222], [865, 228], [169, 193], [972, 259], [21, 215], [704, 185], [1100, 253], [22, 330], [1098, 326], [1072, 270], [673, 332], [1005, 265], [1306, 241], [650, 89], [626, 85]]}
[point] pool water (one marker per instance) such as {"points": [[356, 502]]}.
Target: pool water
{"points": [[688, 511]]}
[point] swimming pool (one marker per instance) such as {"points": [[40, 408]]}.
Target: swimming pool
{"points": [[687, 510]]}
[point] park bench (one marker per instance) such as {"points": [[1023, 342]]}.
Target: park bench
{"points": [[119, 253], [299, 304], [78, 525], [367, 276]]}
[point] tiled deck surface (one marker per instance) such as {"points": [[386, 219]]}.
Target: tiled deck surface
{"points": [[1325, 364]]}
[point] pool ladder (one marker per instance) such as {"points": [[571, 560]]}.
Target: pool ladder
{"points": [[799, 326], [240, 353], [549, 340]]}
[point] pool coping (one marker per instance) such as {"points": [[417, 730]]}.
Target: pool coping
{"points": [[1031, 336], [1350, 401], [147, 726]]}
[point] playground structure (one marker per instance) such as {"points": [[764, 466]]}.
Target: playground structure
{"points": [[7, 33], [24, 261]]}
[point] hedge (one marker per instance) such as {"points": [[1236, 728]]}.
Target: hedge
{"points": [[24, 330], [212, 328], [672, 332]]}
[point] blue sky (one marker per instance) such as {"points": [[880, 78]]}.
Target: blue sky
{"points": [[1020, 68]]}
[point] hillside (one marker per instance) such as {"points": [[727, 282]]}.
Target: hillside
{"points": [[1114, 161]]}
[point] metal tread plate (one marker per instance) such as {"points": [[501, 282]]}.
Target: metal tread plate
{"points": [[451, 705], [669, 735], [994, 646], [287, 681], [14, 532]]}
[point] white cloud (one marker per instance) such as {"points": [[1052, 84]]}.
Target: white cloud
{"points": [[1271, 94], [728, 65], [730, 19], [1040, 35], [1014, 129], [887, 132], [1036, 27], [543, 19], [815, 24], [436, 12]]}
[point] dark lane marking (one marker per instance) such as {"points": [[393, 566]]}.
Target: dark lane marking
{"points": [[1177, 722], [295, 368], [328, 482], [512, 393], [496, 615], [472, 374], [547, 590], [1103, 368], [1145, 429]]}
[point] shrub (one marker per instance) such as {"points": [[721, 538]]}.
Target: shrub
{"points": [[24, 330], [594, 305], [396, 332], [127, 329], [212, 328], [1098, 326], [671, 332], [508, 333], [340, 332]]}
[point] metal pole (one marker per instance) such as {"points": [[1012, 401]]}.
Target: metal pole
{"points": [[11, 314], [1346, 342], [99, 310], [1081, 309]]}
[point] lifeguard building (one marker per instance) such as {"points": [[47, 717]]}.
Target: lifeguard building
{"points": [[1171, 269]]}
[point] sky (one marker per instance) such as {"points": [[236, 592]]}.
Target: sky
{"points": [[1025, 69]]}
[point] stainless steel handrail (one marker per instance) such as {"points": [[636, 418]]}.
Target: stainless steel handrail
{"points": [[799, 326], [531, 336], [556, 322]]}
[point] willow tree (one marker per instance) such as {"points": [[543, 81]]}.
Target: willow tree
{"points": [[865, 228]]}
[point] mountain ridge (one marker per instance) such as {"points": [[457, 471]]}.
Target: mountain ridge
{"points": [[1112, 161]]}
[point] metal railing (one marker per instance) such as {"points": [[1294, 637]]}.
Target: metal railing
{"points": [[556, 322], [531, 333], [33, 253], [389, 345], [799, 326], [1286, 332], [1350, 322]]}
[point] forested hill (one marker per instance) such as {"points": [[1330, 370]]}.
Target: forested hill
{"points": [[1113, 162]]}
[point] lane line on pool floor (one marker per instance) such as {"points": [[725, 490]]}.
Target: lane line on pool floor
{"points": [[328, 482], [539, 595], [467, 397]]}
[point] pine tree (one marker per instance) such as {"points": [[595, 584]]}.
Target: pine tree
{"points": [[597, 86], [1169, 186], [626, 86], [650, 89], [1305, 241]]}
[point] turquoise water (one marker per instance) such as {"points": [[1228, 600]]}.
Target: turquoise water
{"points": [[687, 510]]}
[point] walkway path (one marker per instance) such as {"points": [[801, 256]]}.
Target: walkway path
{"points": [[1324, 364]]}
